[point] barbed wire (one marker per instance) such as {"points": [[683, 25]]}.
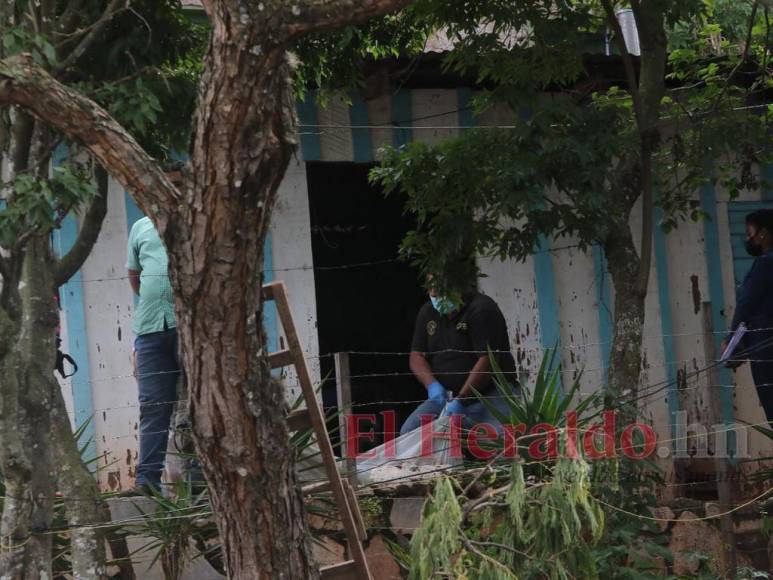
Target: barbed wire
{"points": [[200, 511], [399, 125], [383, 402], [641, 390], [516, 354], [349, 266], [204, 513], [737, 476]]}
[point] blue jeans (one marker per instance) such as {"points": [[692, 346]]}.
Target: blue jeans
{"points": [[158, 369], [475, 412]]}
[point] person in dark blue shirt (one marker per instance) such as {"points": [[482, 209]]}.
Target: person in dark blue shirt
{"points": [[754, 306]]}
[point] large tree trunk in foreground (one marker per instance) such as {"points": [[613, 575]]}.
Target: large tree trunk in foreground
{"points": [[214, 229], [27, 399], [242, 143], [35, 427]]}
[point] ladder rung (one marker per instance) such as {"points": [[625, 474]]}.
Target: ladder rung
{"points": [[319, 487], [299, 420], [343, 571], [281, 358]]}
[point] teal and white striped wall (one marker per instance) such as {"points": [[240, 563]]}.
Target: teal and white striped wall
{"points": [[560, 297]]}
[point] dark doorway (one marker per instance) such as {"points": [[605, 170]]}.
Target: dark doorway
{"points": [[367, 300]]}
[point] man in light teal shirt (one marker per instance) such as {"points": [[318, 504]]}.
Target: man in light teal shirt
{"points": [[155, 347]]}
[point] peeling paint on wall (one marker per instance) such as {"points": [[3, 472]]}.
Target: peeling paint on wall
{"points": [[510, 284], [696, 294]]}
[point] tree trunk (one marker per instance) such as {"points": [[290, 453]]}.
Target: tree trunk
{"points": [[86, 511], [27, 402], [214, 228], [20, 550], [243, 139], [630, 270], [625, 357]]}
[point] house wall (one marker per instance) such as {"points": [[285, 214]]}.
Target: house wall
{"points": [[560, 297], [105, 379], [563, 296]]}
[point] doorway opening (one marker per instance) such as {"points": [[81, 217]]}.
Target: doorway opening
{"points": [[367, 299]]}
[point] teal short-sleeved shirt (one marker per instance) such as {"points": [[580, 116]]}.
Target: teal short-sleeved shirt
{"points": [[146, 252]]}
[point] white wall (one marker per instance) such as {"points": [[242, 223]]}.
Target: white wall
{"points": [[293, 263], [108, 309], [108, 305]]}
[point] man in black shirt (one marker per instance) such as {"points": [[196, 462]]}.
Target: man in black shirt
{"points": [[450, 353]]}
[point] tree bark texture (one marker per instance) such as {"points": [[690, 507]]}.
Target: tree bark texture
{"points": [[628, 320], [243, 139], [34, 426], [629, 269], [84, 507], [25, 452], [34, 423], [650, 22], [214, 228]]}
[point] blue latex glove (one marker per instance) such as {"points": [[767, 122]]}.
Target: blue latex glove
{"points": [[437, 392], [455, 407]]}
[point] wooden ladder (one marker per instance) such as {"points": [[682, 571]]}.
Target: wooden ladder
{"points": [[313, 417]]}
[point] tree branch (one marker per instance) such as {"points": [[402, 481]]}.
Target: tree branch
{"points": [[467, 543], [5, 271], [92, 34], [71, 262], [7, 331], [25, 84], [22, 142], [742, 60], [318, 15], [630, 71]]}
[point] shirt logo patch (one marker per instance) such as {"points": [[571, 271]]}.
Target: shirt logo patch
{"points": [[431, 327], [461, 327]]}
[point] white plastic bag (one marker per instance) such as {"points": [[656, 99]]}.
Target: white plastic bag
{"points": [[404, 457]]}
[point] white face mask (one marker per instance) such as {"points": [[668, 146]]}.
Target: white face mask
{"points": [[442, 304]]}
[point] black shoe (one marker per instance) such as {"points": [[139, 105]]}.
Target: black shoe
{"points": [[139, 491]]}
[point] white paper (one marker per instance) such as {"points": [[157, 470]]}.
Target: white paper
{"points": [[731, 346], [405, 460]]}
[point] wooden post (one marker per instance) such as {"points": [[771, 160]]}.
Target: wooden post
{"points": [[724, 471], [344, 399]]}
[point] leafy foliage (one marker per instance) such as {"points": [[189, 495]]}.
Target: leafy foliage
{"points": [[723, 73], [174, 521], [41, 204], [486, 190], [570, 165], [18, 40], [516, 48], [545, 402], [437, 540], [339, 61], [143, 68], [542, 530]]}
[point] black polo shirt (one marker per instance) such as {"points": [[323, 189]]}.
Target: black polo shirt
{"points": [[454, 343]]}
